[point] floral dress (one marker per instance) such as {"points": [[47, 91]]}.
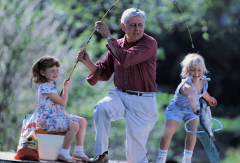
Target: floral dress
{"points": [[52, 116]]}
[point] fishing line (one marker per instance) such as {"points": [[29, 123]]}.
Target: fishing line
{"points": [[175, 2]]}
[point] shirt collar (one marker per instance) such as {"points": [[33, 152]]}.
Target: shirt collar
{"points": [[130, 44]]}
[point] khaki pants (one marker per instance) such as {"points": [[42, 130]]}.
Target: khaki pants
{"points": [[140, 113]]}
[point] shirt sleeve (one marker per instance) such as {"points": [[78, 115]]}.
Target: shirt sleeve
{"points": [[48, 88], [104, 71]]}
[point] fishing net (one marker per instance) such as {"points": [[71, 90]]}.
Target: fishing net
{"points": [[210, 148]]}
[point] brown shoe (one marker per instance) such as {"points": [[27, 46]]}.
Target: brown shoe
{"points": [[84, 159], [62, 158], [101, 158]]}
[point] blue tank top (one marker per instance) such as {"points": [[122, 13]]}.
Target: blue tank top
{"points": [[181, 100]]}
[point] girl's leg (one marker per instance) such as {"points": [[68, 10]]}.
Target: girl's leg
{"points": [[64, 154], [190, 142], [79, 151], [168, 132], [170, 128], [191, 138], [71, 133], [82, 122]]}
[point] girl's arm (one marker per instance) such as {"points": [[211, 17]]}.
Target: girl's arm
{"points": [[188, 91], [211, 100], [61, 100]]}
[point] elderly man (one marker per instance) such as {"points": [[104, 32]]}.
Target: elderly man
{"points": [[132, 60]]}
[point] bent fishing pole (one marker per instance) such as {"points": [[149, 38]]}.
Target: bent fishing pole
{"points": [[85, 46], [175, 2]]}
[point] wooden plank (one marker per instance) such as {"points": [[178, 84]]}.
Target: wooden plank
{"points": [[41, 131], [8, 157]]}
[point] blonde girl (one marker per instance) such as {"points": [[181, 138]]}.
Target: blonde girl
{"points": [[185, 105]]}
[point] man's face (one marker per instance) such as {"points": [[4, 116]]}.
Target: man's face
{"points": [[134, 28]]}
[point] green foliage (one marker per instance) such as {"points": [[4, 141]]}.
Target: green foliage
{"points": [[161, 54], [26, 33], [233, 155], [230, 125], [205, 36]]}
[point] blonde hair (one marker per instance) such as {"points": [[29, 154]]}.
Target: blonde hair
{"points": [[191, 60], [42, 64]]}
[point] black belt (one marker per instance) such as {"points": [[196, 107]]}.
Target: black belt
{"points": [[144, 94], [131, 92]]}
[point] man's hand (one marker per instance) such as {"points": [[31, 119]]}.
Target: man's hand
{"points": [[102, 29], [83, 55]]}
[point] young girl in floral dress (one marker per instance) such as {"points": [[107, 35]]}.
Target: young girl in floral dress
{"points": [[52, 115]]}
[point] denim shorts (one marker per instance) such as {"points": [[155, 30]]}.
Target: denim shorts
{"points": [[176, 113]]}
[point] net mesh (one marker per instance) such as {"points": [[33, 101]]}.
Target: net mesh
{"points": [[210, 148]]}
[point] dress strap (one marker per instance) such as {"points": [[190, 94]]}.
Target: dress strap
{"points": [[205, 87], [206, 78], [187, 79]]}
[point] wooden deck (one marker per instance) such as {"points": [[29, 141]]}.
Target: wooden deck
{"points": [[8, 157]]}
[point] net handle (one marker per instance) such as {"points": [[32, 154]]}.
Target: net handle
{"points": [[194, 132], [221, 126]]}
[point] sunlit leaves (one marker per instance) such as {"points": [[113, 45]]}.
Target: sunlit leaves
{"points": [[161, 54], [205, 36]]}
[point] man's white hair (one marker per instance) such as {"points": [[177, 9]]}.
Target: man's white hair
{"points": [[131, 12]]}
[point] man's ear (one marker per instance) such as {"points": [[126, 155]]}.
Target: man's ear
{"points": [[42, 72], [123, 27]]}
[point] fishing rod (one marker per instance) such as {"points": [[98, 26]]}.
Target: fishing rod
{"points": [[85, 46], [175, 2]]}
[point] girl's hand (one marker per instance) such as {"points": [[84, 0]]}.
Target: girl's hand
{"points": [[195, 110], [212, 101], [66, 83]]}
